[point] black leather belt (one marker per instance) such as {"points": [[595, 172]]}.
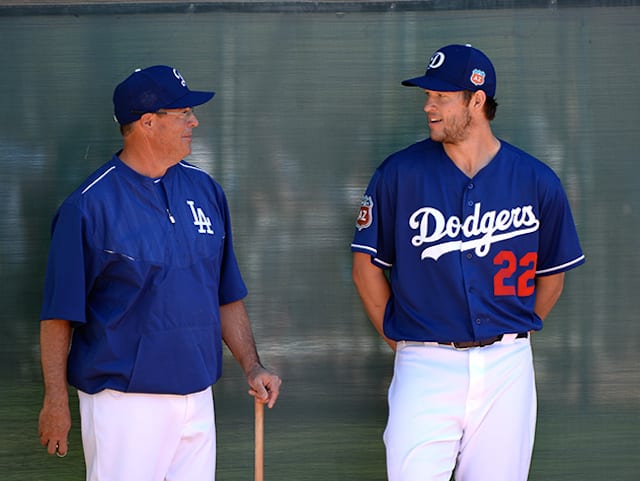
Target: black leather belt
{"points": [[482, 343]]}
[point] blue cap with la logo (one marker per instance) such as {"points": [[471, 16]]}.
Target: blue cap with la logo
{"points": [[151, 89]]}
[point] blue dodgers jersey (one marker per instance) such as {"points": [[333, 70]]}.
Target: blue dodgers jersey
{"points": [[141, 266], [463, 253]]}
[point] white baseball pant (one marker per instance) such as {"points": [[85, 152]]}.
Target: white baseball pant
{"points": [[469, 410], [148, 437]]}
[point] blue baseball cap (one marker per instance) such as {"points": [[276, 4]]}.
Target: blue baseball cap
{"points": [[457, 67], [151, 89]]}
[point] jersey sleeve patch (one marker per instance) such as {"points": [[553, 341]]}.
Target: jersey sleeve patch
{"points": [[365, 215]]}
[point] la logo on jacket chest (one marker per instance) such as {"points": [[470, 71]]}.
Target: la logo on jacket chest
{"points": [[200, 219]]}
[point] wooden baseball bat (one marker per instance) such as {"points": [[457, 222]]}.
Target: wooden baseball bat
{"points": [[259, 441]]}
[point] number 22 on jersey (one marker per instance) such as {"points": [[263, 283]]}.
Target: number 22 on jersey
{"points": [[515, 276]]}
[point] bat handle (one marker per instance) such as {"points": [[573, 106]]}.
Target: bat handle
{"points": [[259, 441]]}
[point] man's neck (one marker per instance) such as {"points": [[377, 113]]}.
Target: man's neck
{"points": [[143, 161], [472, 155]]}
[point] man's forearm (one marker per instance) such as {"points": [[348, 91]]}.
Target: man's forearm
{"points": [[55, 339], [238, 335]]}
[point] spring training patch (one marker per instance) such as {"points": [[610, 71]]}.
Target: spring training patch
{"points": [[365, 216], [477, 77]]}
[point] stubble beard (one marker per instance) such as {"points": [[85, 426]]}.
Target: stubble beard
{"points": [[455, 131]]}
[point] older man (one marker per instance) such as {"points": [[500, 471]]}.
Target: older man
{"points": [[142, 287]]}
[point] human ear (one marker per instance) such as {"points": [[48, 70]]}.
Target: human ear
{"points": [[479, 98], [146, 120]]}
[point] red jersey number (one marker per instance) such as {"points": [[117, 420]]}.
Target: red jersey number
{"points": [[511, 281]]}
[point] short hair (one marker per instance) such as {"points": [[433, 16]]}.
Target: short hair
{"points": [[490, 106], [126, 129]]}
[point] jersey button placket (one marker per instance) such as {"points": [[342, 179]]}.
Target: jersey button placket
{"points": [[468, 206]]}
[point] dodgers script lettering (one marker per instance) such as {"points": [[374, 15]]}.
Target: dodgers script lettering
{"points": [[478, 231]]}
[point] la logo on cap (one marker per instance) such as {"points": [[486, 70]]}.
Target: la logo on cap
{"points": [[178, 75], [477, 77]]}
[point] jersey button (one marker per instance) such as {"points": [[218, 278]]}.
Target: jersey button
{"points": [[470, 203], [470, 186], [469, 255], [478, 321]]}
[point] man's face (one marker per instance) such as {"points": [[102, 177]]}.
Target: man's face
{"points": [[448, 116], [174, 132]]}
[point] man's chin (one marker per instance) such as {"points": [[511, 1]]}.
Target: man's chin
{"points": [[435, 137]]}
